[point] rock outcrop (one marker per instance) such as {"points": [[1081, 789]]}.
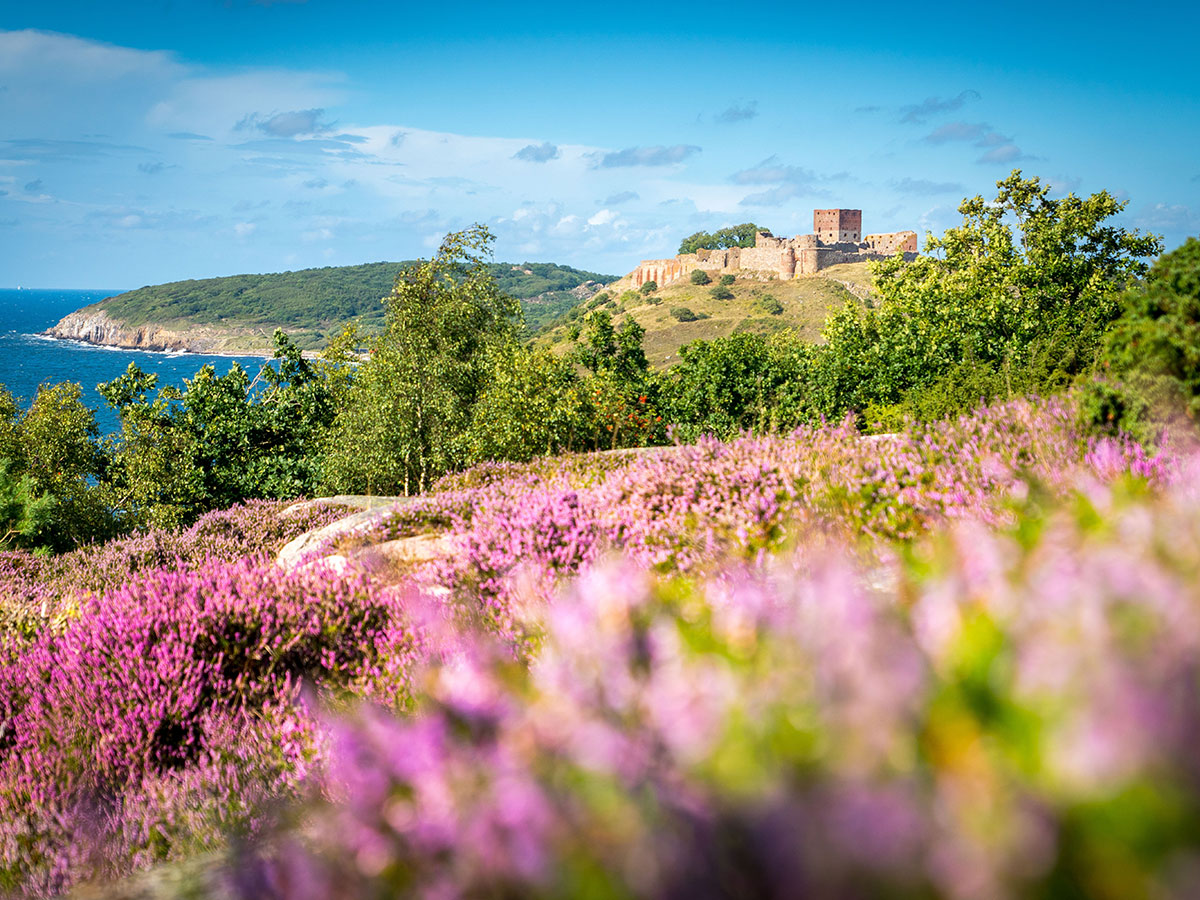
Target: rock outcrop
{"points": [[93, 325]]}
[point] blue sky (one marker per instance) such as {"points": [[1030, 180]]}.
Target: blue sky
{"points": [[155, 141]]}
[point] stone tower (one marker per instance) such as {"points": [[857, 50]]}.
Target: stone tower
{"points": [[838, 226]]}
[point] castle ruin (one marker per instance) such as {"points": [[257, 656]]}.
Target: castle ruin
{"points": [[837, 238]]}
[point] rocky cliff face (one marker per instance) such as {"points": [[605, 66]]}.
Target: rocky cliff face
{"points": [[95, 326]]}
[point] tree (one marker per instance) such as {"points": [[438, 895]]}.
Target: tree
{"points": [[24, 514], [735, 236], [616, 350], [534, 404], [224, 438], [648, 287], [410, 404], [1155, 344], [1025, 285], [733, 384], [700, 277], [60, 454]]}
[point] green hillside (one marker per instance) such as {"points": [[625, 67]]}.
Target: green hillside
{"points": [[312, 304], [684, 312]]}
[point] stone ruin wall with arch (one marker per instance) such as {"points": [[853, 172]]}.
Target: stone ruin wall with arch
{"points": [[837, 238]]}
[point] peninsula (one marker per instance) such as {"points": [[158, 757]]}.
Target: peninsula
{"points": [[239, 313]]}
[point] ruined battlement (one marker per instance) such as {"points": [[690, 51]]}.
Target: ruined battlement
{"points": [[837, 238]]}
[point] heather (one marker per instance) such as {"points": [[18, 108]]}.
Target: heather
{"points": [[984, 713], [958, 661], [36, 588], [165, 694]]}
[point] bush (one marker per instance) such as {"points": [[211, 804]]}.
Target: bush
{"points": [[683, 314], [700, 277], [727, 280], [630, 297], [720, 292], [649, 287], [1153, 344], [770, 305]]}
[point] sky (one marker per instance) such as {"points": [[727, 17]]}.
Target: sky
{"points": [[144, 142]]}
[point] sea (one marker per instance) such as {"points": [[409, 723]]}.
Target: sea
{"points": [[27, 359]]}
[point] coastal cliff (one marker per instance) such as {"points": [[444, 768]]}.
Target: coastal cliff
{"points": [[94, 325]]}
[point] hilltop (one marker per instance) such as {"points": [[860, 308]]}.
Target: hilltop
{"points": [[239, 312], [758, 306]]}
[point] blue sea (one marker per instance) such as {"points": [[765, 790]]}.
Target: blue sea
{"points": [[27, 360]]}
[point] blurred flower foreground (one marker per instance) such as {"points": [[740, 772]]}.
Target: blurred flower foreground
{"points": [[960, 662]]}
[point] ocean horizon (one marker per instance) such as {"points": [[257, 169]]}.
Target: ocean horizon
{"points": [[29, 359]]}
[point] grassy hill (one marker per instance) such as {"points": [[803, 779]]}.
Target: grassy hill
{"points": [[313, 304], [802, 304]]}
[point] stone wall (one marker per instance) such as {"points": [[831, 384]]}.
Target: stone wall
{"points": [[838, 238], [889, 243]]}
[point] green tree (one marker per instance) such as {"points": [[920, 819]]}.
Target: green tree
{"points": [[608, 349], [1026, 285], [735, 236], [61, 455], [534, 404], [224, 438], [648, 287], [409, 406], [733, 384], [1154, 347], [700, 277], [24, 514]]}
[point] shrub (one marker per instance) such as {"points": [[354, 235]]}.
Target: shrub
{"points": [[720, 292], [770, 305], [683, 314], [649, 287], [699, 276], [727, 280]]}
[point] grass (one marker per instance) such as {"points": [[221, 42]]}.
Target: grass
{"points": [[807, 303]]}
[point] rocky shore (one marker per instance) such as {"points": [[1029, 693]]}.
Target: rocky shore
{"points": [[93, 325]]}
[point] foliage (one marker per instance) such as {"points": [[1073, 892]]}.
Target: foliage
{"points": [[770, 305], [700, 277], [24, 515], [609, 349], [407, 412], [560, 709], [533, 405], [799, 717], [1025, 284], [1154, 346], [727, 280], [153, 680], [730, 385], [735, 236], [41, 590], [648, 287], [720, 292], [51, 461], [683, 314], [312, 304], [223, 439]]}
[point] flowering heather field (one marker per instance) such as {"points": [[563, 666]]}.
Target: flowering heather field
{"points": [[960, 662]]}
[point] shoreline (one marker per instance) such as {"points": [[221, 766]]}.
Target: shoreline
{"points": [[183, 351]]}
